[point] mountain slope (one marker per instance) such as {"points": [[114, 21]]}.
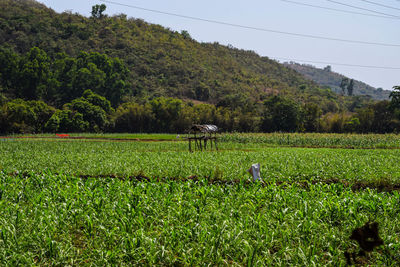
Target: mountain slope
{"points": [[161, 62], [326, 77]]}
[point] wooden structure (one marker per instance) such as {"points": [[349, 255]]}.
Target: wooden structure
{"points": [[201, 135]]}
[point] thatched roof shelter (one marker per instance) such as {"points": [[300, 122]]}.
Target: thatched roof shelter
{"points": [[201, 134], [204, 128]]}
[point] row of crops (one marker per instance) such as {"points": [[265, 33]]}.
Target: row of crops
{"points": [[81, 202], [317, 140], [52, 219], [368, 141], [171, 159]]}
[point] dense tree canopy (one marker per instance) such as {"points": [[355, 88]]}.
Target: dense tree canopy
{"points": [[66, 72], [20, 116], [281, 114], [35, 76], [91, 112]]}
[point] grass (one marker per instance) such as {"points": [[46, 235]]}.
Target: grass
{"points": [[59, 205]]}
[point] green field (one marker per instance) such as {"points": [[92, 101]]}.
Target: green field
{"points": [[85, 202], [318, 140]]}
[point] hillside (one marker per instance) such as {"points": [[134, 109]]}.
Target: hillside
{"points": [[161, 62], [64, 72], [326, 77]]}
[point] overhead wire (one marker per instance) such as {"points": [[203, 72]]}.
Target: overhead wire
{"points": [[338, 64], [378, 4], [361, 8], [339, 10], [255, 28], [279, 58]]}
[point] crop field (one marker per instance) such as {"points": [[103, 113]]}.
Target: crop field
{"points": [[367, 141], [140, 202]]}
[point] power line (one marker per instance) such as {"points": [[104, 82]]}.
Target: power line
{"points": [[340, 64], [374, 3], [361, 8], [339, 10], [255, 28], [248, 27]]}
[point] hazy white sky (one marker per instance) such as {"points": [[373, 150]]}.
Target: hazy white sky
{"points": [[282, 16]]}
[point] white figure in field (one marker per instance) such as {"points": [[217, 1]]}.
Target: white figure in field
{"points": [[255, 171]]}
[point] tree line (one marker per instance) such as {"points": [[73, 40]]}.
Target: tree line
{"points": [[94, 113], [90, 93]]}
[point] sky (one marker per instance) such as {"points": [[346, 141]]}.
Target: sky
{"points": [[291, 16]]}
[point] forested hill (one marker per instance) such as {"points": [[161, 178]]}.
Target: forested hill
{"points": [[64, 72], [160, 62], [326, 77]]}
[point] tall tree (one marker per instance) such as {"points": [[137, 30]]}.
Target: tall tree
{"points": [[395, 97], [350, 87], [97, 11], [34, 73], [280, 114], [311, 114], [8, 70], [344, 84], [383, 117], [328, 68]]}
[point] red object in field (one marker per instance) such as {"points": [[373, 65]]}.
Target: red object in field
{"points": [[62, 135]]}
